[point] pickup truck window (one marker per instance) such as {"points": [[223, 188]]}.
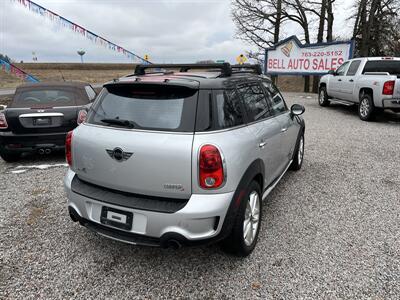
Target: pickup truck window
{"points": [[390, 66], [342, 69], [355, 64]]}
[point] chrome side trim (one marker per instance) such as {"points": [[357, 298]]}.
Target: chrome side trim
{"points": [[33, 115], [266, 193]]}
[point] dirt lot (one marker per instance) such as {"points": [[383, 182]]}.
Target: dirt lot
{"points": [[329, 231], [93, 73], [100, 73]]}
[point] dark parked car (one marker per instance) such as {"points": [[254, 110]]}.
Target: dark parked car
{"points": [[40, 115]]}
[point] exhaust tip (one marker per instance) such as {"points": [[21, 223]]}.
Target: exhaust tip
{"points": [[172, 240], [47, 151], [41, 151]]}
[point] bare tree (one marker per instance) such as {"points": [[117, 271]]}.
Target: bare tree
{"points": [[258, 22], [376, 27], [296, 11]]}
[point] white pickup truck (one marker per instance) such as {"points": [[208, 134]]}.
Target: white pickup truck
{"points": [[373, 83]]}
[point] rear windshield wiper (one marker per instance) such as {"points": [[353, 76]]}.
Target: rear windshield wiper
{"points": [[119, 122]]}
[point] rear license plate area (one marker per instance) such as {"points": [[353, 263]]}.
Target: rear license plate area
{"points": [[41, 121], [116, 218]]}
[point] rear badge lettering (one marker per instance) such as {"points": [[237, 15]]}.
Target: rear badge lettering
{"points": [[172, 186]]}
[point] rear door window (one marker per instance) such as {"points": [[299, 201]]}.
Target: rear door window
{"points": [[151, 107], [255, 101], [229, 109], [44, 97], [353, 68]]}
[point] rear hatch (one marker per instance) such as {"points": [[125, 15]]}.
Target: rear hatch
{"points": [[138, 139], [43, 110]]}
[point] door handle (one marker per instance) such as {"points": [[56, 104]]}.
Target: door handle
{"points": [[339, 80], [351, 80], [262, 144], [284, 129]]}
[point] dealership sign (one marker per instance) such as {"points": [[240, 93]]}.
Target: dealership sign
{"points": [[290, 57]]}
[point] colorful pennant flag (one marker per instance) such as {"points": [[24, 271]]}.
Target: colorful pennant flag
{"points": [[65, 23], [13, 70]]}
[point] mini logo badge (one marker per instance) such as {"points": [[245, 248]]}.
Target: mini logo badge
{"points": [[118, 154]]}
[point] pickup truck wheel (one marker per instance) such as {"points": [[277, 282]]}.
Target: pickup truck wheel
{"points": [[243, 237], [298, 155], [10, 157], [366, 109], [323, 97]]}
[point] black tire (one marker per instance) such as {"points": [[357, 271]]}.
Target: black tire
{"points": [[298, 156], [235, 243], [323, 99], [366, 108], [10, 157]]}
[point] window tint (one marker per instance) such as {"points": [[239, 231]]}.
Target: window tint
{"points": [[390, 66], [275, 98], [342, 69], [353, 68], [44, 97], [228, 108], [148, 107], [255, 101], [90, 92]]}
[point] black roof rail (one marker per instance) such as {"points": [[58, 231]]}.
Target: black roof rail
{"points": [[225, 68], [247, 68]]}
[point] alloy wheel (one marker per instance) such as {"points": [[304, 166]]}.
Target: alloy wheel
{"points": [[301, 150], [364, 107], [252, 218], [321, 96]]}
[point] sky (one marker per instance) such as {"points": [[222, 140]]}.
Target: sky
{"points": [[167, 30]]}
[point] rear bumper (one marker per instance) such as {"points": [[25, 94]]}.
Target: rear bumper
{"points": [[12, 142], [391, 103], [200, 221]]}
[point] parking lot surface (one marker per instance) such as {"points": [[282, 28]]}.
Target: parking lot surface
{"points": [[331, 230]]}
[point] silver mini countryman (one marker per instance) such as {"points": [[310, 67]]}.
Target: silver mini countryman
{"points": [[178, 155]]}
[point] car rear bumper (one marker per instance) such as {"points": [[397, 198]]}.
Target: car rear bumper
{"points": [[199, 221], [391, 103], [12, 142]]}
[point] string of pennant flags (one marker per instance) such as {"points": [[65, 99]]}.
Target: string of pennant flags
{"points": [[89, 35], [13, 70]]}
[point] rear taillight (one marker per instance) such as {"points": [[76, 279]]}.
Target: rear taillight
{"points": [[81, 116], [211, 167], [388, 88], [68, 152], [3, 121]]}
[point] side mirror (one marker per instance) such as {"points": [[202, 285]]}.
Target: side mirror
{"points": [[2, 107], [297, 109], [332, 72]]}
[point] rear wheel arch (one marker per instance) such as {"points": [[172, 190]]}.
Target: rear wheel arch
{"points": [[364, 91], [254, 172]]}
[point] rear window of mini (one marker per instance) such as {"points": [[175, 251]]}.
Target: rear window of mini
{"points": [[44, 97], [146, 107]]}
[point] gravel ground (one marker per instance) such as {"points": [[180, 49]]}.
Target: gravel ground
{"points": [[331, 230]]}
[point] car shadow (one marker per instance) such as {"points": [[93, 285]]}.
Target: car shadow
{"points": [[385, 116]]}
